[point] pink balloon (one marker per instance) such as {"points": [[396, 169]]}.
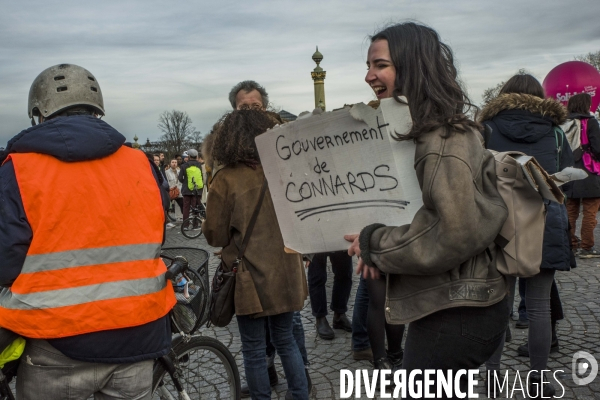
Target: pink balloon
{"points": [[570, 78]]}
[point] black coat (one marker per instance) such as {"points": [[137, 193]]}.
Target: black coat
{"points": [[524, 123], [590, 186]]}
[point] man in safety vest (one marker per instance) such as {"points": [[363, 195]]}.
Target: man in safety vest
{"points": [[80, 239], [190, 175]]}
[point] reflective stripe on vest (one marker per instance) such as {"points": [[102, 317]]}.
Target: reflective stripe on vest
{"points": [[93, 263]]}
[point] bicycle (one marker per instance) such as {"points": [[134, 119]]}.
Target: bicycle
{"points": [[196, 366], [191, 227]]}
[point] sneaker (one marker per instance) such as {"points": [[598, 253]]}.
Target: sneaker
{"points": [[591, 253], [170, 225]]}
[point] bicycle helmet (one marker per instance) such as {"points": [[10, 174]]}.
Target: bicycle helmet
{"points": [[62, 86]]}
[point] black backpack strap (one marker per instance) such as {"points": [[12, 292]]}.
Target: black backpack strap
{"points": [[487, 134]]}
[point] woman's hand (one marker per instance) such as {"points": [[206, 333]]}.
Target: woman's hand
{"points": [[354, 249]]}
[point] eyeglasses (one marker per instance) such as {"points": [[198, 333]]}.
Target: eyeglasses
{"points": [[257, 107]]}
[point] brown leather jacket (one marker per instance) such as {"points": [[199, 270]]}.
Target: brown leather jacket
{"points": [[445, 258], [279, 278]]}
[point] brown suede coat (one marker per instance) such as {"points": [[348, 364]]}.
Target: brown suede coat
{"points": [[279, 278], [445, 258]]}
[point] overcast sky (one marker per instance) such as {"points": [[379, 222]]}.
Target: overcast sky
{"points": [[150, 56]]}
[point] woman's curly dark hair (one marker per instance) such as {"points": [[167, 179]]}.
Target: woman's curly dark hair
{"points": [[234, 138]]}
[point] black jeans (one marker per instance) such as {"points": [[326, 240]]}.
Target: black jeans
{"points": [[341, 264], [179, 201], [456, 338]]}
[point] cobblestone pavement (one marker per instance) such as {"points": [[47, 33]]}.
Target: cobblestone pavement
{"points": [[580, 330]]}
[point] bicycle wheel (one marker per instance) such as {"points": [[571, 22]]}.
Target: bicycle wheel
{"points": [[171, 211], [187, 227], [206, 369]]}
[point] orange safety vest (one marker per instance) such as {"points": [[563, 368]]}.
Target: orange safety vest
{"points": [[93, 263]]}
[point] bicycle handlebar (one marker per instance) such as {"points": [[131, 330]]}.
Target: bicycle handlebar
{"points": [[178, 266]]}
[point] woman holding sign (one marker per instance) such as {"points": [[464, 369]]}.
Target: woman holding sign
{"points": [[441, 274]]}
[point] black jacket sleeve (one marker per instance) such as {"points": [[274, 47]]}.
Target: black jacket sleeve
{"points": [[593, 132], [15, 232], [182, 175], [164, 189]]}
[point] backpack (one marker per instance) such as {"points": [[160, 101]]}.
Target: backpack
{"points": [[521, 238], [194, 176], [523, 185], [589, 160]]}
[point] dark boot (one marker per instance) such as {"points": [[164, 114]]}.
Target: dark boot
{"points": [[396, 359], [273, 381], [323, 329], [547, 390], [522, 324], [340, 321], [365, 354], [523, 350], [288, 394], [384, 363]]}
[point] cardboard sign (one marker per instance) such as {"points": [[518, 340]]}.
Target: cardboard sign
{"points": [[331, 174]]}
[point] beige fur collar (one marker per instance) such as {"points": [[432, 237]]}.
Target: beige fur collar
{"points": [[513, 101]]}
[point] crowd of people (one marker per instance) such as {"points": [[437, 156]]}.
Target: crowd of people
{"points": [[440, 252], [434, 280]]}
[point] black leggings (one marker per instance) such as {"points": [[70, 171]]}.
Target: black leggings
{"points": [[377, 327]]}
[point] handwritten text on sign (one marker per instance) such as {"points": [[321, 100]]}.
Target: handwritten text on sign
{"points": [[333, 173]]}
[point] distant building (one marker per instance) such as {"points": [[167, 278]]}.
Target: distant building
{"points": [[287, 116]]}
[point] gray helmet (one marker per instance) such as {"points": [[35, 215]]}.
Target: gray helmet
{"points": [[63, 86]]}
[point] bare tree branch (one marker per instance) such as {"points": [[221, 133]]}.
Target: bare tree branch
{"points": [[492, 92], [177, 129], [591, 58], [195, 140]]}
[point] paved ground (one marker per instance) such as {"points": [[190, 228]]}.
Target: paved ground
{"points": [[580, 294]]}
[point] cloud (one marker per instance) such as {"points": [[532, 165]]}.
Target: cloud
{"points": [[153, 55]]}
